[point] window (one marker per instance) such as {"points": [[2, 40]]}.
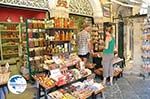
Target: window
{"points": [[144, 6]]}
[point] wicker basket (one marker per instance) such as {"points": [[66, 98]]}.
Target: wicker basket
{"points": [[4, 78]]}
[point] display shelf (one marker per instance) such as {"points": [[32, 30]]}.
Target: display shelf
{"points": [[9, 39], [10, 61], [35, 58], [98, 43], [37, 48], [48, 90], [85, 93], [5, 31], [55, 28], [38, 39], [9, 23], [38, 30], [59, 41], [146, 48], [34, 44], [10, 45], [10, 54]]}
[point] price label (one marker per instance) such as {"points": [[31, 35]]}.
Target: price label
{"points": [[55, 72]]}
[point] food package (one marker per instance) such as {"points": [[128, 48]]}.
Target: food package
{"points": [[44, 80]]}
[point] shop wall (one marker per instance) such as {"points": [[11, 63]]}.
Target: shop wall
{"points": [[137, 61], [15, 13]]}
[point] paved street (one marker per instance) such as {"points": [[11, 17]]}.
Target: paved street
{"points": [[128, 87]]}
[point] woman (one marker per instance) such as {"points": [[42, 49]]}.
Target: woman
{"points": [[84, 43], [108, 55]]}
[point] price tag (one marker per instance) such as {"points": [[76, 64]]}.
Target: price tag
{"points": [[55, 72], [56, 59]]}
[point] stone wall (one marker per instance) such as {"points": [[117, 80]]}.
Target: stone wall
{"points": [[137, 60]]}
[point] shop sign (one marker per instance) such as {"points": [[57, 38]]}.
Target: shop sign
{"points": [[37, 4], [106, 11]]}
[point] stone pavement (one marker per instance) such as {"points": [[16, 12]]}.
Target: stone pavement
{"points": [[128, 87]]}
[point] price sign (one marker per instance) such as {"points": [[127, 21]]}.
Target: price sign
{"points": [[55, 72]]}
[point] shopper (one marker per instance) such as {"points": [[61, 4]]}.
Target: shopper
{"points": [[108, 55], [84, 43]]}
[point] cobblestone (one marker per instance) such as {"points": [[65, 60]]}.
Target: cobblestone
{"points": [[128, 87]]}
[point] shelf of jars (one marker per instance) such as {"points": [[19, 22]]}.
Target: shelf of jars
{"points": [[61, 35], [44, 39], [98, 43], [10, 41], [34, 45]]}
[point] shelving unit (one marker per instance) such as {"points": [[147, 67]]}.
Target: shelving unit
{"points": [[98, 43], [10, 38], [146, 49], [34, 45], [60, 36], [43, 40]]}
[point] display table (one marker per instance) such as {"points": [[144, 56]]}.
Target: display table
{"points": [[48, 90], [56, 88]]}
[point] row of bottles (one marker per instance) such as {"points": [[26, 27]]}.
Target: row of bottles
{"points": [[55, 49], [52, 23], [60, 36], [60, 23], [36, 24], [9, 27]]}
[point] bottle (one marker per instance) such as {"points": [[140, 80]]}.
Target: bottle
{"points": [[63, 36], [70, 35], [57, 36], [65, 22], [67, 36]]}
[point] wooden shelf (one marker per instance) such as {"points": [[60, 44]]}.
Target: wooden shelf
{"points": [[10, 61], [10, 38], [32, 39], [9, 30], [36, 30], [55, 28], [10, 54], [14, 23], [60, 42], [36, 48], [9, 45]]}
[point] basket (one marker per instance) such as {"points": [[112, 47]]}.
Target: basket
{"points": [[4, 78]]}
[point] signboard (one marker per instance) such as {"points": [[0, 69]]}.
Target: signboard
{"points": [[106, 11], [37, 4]]}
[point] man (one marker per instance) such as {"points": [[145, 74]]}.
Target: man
{"points": [[84, 43]]}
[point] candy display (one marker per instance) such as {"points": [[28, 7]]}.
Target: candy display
{"points": [[84, 89], [44, 80], [61, 95]]}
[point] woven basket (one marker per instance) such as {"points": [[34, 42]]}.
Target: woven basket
{"points": [[4, 78]]}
